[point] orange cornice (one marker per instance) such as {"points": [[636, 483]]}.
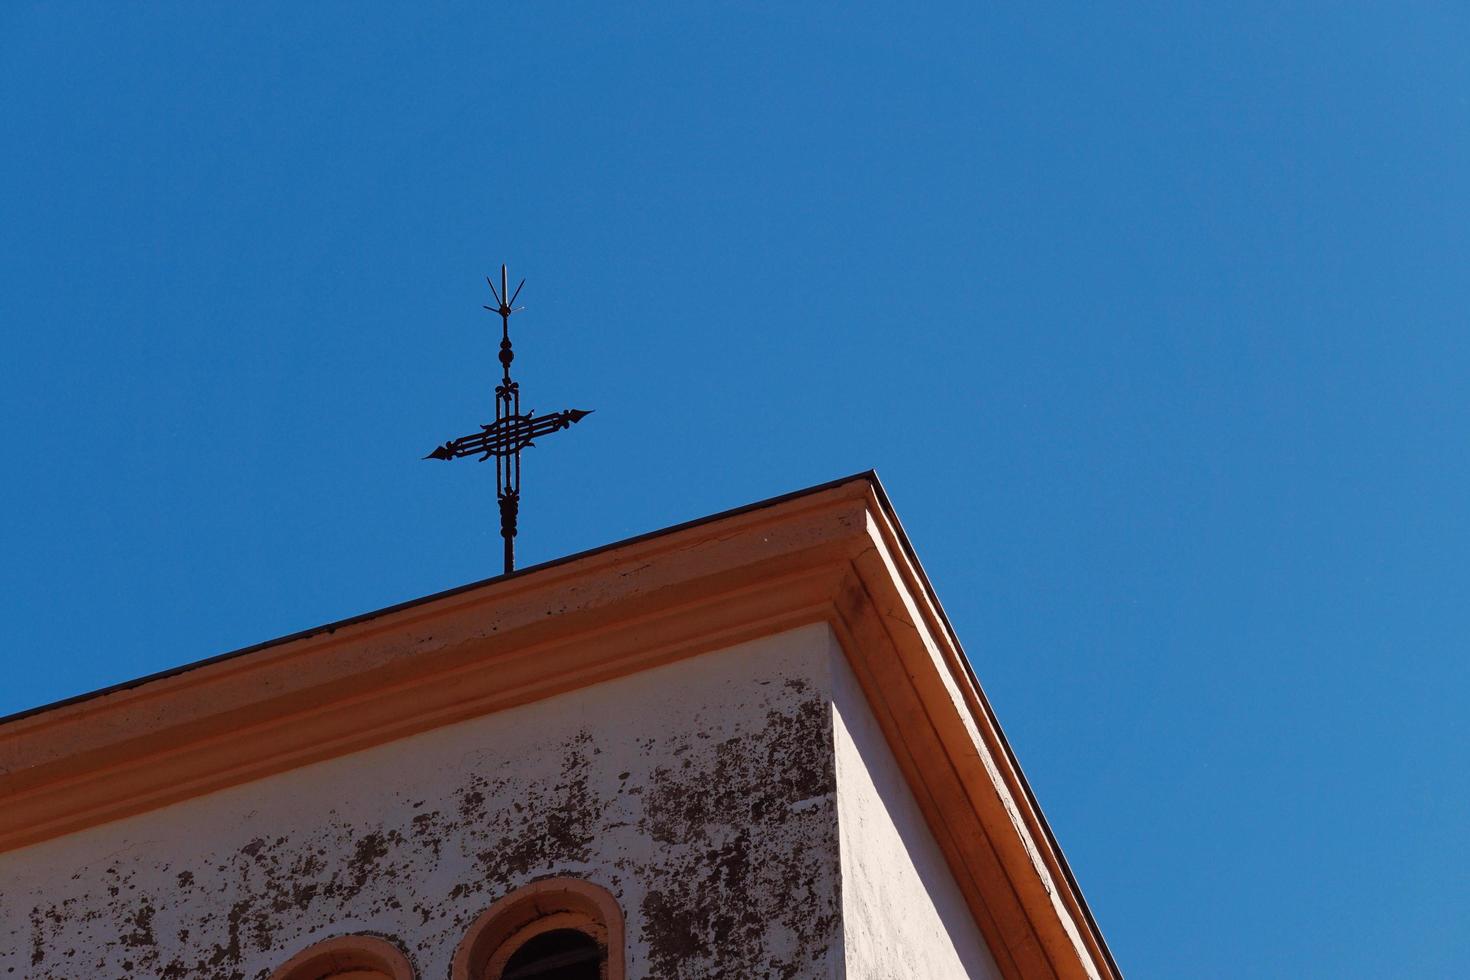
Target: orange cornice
{"points": [[833, 554]]}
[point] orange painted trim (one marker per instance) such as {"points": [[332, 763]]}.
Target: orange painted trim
{"points": [[996, 788], [342, 953], [541, 906], [835, 555]]}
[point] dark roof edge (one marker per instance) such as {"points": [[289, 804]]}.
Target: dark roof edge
{"points": [[870, 476]]}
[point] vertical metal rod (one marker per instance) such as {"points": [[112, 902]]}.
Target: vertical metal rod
{"points": [[508, 529], [509, 403]]}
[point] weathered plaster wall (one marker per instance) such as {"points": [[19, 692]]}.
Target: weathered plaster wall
{"points": [[701, 794], [902, 914]]}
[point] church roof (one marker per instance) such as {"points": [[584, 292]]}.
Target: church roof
{"points": [[834, 553]]}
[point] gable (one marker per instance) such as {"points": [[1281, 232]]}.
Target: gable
{"points": [[832, 555]]}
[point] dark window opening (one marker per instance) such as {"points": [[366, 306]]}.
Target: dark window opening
{"points": [[561, 954]]}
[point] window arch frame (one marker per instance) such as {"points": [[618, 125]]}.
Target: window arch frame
{"points": [[354, 951], [539, 907]]}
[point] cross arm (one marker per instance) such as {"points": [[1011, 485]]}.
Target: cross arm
{"points": [[508, 435]]}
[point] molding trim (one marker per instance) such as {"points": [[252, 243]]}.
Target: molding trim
{"points": [[343, 953], [541, 906], [833, 554]]}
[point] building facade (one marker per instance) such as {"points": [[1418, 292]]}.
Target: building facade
{"points": [[745, 747]]}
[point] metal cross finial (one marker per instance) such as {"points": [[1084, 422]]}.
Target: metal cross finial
{"points": [[511, 431]]}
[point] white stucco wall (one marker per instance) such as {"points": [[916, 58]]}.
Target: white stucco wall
{"points": [[700, 793], [743, 806], [902, 914]]}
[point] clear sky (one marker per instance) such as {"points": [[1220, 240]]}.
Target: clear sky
{"points": [[1153, 319]]}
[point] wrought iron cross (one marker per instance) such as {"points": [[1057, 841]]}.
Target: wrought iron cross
{"points": [[511, 431]]}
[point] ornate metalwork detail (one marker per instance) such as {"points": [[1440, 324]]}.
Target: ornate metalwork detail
{"points": [[512, 429], [508, 435]]}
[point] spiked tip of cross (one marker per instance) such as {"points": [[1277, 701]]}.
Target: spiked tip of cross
{"points": [[505, 307]]}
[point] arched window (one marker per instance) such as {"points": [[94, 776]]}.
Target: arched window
{"points": [[555, 929], [558, 954], [347, 958]]}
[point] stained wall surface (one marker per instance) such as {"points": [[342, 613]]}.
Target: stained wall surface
{"points": [[701, 794], [903, 917]]}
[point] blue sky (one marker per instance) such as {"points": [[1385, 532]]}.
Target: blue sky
{"points": [[1153, 319]]}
